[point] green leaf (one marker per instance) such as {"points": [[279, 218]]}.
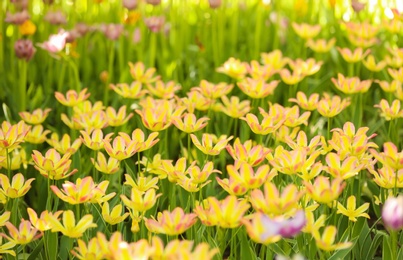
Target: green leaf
{"points": [[36, 251], [246, 251], [51, 244], [374, 246], [386, 249]]}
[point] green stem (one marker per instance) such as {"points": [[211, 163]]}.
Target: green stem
{"points": [[23, 85]]}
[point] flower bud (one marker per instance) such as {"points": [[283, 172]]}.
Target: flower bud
{"points": [[214, 3], [17, 18], [24, 49], [392, 213], [155, 23]]}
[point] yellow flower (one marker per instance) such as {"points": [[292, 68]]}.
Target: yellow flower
{"points": [[351, 211], [306, 31], [257, 88], [72, 98], [351, 85], [69, 227], [36, 135], [117, 118], [12, 135], [80, 192], [233, 107], [140, 74], [24, 234], [109, 166], [258, 230], [301, 143], [27, 28], [321, 45], [213, 91], [141, 201], [260, 72], [326, 241], [4, 218], [52, 165], [232, 186], [226, 213], [121, 148], [134, 91], [18, 158], [246, 152], [113, 217], [324, 191], [154, 165], [42, 222], [387, 177], [371, 64], [291, 79], [304, 102], [390, 112], [96, 249], [143, 183], [271, 202], [38, 116], [353, 56], [248, 177], [163, 90], [350, 166], [313, 226], [389, 87], [234, 68], [275, 59], [171, 223], [195, 100], [332, 106], [206, 146], [64, 145], [95, 140], [190, 124], [17, 188], [305, 67], [396, 74], [5, 248], [269, 123]]}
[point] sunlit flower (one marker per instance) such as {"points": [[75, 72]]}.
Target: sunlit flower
{"points": [[36, 135], [171, 223], [134, 91], [301, 143], [121, 148], [268, 125], [312, 225], [4, 218], [351, 85], [390, 112], [396, 74], [154, 166], [198, 175], [213, 91], [390, 156], [76, 193], [23, 235], [141, 201], [17, 188], [234, 68], [387, 177], [306, 67], [55, 43], [96, 249], [271, 202], [117, 118], [233, 106], [232, 186], [226, 213], [326, 241], [260, 72], [72, 98], [6, 247], [331, 106], [143, 183], [352, 56], [113, 217], [42, 222], [246, 152], [12, 135], [348, 168], [392, 213], [257, 88], [139, 73], [196, 100], [372, 65], [190, 123], [95, 139], [64, 145], [260, 230], [211, 145], [306, 31], [275, 59], [109, 166], [324, 191], [389, 87], [321, 45], [304, 102], [351, 211], [69, 227], [291, 78], [250, 178], [52, 165], [163, 90], [37, 116]]}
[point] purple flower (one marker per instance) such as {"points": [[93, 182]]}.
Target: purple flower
{"points": [[214, 3], [17, 18], [24, 49], [153, 2], [55, 18], [284, 227], [130, 4], [155, 23], [392, 213], [112, 31]]}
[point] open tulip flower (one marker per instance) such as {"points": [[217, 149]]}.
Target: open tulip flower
{"points": [[17, 188], [69, 227], [171, 223]]}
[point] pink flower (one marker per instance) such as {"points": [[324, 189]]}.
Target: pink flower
{"points": [[130, 4], [155, 23], [55, 18], [55, 43], [112, 31], [17, 18], [284, 227], [24, 49], [392, 213]]}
